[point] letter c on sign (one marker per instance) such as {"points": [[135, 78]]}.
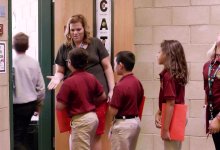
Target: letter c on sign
{"points": [[103, 5]]}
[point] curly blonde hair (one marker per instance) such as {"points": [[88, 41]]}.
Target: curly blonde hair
{"points": [[75, 19], [212, 51]]}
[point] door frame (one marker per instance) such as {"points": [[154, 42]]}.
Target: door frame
{"points": [[10, 74], [46, 42]]}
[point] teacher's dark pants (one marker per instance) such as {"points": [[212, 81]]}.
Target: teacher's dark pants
{"points": [[216, 139]]}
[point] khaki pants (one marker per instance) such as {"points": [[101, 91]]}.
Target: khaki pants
{"points": [[83, 131], [172, 145], [125, 134]]}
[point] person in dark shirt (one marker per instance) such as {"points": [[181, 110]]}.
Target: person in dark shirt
{"points": [[124, 105], [80, 94], [77, 35]]}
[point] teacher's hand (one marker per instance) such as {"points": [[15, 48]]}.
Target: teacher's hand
{"points": [[55, 80], [214, 126]]}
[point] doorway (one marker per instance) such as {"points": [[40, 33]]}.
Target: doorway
{"points": [[34, 17]]}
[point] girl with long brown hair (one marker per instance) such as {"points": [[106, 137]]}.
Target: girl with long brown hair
{"points": [[173, 79]]}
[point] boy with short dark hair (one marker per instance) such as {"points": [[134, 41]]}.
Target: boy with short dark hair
{"points": [[29, 89], [125, 103], [79, 94]]}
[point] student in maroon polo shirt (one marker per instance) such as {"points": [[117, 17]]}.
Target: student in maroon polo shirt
{"points": [[80, 94], [124, 105], [173, 79], [211, 74]]}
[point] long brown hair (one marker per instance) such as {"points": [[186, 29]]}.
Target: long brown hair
{"points": [[75, 19], [175, 60]]}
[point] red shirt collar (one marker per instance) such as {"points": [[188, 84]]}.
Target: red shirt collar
{"points": [[76, 72], [125, 76], [163, 72]]}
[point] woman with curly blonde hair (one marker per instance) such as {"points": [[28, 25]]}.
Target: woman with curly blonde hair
{"points": [[211, 76]]}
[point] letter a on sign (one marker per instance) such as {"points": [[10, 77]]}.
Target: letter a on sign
{"points": [[104, 24]]}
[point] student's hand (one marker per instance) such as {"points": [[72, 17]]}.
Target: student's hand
{"points": [[36, 113], [214, 126], [158, 119], [55, 80], [110, 93], [165, 135], [109, 134], [38, 107]]}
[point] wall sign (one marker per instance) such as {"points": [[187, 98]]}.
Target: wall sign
{"points": [[2, 57], [1, 29], [104, 22], [2, 11]]}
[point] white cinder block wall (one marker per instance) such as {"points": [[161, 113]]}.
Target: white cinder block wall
{"points": [[196, 24]]}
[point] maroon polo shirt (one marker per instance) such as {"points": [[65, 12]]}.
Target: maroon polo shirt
{"points": [[216, 83], [170, 89], [79, 91], [127, 96]]}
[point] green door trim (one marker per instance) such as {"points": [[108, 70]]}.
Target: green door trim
{"points": [[10, 73], [46, 128]]}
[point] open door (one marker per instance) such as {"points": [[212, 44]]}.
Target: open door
{"points": [[33, 17]]}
